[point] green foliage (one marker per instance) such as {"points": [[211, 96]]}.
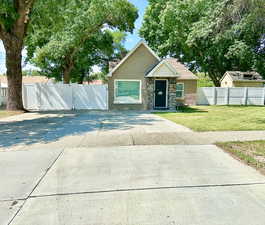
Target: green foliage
{"points": [[80, 38], [98, 76], [8, 14], [31, 73], [204, 80], [212, 36]]}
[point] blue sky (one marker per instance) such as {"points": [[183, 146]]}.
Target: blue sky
{"points": [[131, 41]]}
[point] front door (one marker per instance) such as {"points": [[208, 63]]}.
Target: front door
{"points": [[160, 93]]}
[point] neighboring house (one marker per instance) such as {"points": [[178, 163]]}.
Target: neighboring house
{"points": [[94, 82], [27, 80], [143, 81], [242, 79]]}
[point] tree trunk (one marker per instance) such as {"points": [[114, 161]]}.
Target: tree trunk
{"points": [[14, 74], [67, 70], [66, 76], [81, 78], [215, 80]]}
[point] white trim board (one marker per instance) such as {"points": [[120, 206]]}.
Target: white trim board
{"points": [[170, 67], [142, 42], [115, 101]]}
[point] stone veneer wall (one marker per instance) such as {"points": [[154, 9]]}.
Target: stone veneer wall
{"points": [[172, 102], [150, 93]]}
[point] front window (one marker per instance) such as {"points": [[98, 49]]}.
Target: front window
{"points": [[180, 90], [127, 91]]}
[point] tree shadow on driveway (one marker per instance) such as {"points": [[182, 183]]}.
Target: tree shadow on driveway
{"points": [[52, 128]]}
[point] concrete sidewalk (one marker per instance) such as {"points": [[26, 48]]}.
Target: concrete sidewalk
{"points": [[129, 138], [89, 129], [133, 185]]}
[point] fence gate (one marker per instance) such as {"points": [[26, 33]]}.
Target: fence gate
{"points": [[47, 97]]}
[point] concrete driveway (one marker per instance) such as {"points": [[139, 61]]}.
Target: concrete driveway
{"points": [[129, 185], [83, 129], [52, 175]]}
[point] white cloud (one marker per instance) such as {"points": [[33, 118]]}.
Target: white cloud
{"points": [[96, 69]]}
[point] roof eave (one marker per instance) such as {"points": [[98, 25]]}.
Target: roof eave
{"points": [[173, 70], [142, 42]]}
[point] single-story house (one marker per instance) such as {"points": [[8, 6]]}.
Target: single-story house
{"points": [[143, 81], [242, 79]]}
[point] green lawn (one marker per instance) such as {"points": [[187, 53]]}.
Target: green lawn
{"points": [[252, 152], [219, 118], [4, 113]]}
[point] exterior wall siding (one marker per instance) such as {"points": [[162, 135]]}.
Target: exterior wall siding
{"points": [[163, 70], [190, 92], [133, 68], [227, 82]]}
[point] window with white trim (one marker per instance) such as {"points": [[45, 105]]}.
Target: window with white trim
{"points": [[127, 91], [179, 90]]}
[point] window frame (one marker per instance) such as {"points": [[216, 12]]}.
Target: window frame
{"points": [[183, 90], [116, 101]]}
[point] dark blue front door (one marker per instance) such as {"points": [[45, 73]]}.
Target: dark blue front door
{"points": [[160, 93]]}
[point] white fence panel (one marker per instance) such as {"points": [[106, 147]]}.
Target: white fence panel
{"points": [[48, 97], [90, 97], [231, 96], [3, 96], [205, 96], [30, 98], [55, 97], [255, 96], [221, 96], [237, 96]]}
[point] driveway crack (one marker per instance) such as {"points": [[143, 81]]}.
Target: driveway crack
{"points": [[34, 188], [149, 189]]}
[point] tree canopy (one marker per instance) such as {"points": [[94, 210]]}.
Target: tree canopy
{"points": [[67, 47], [211, 36], [59, 34]]}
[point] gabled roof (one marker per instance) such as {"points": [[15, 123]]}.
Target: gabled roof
{"points": [[181, 72], [244, 76], [142, 42], [151, 73]]}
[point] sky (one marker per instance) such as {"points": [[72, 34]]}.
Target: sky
{"points": [[130, 42]]}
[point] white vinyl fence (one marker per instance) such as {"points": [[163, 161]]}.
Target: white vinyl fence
{"points": [[3, 95], [231, 96], [45, 97]]}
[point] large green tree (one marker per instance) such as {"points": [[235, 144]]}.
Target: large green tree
{"points": [[67, 23], [211, 36], [70, 45], [14, 20]]}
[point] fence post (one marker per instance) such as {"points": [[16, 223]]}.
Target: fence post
{"points": [[263, 99], [214, 96], [38, 91], [227, 95], [246, 96], [73, 97]]}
